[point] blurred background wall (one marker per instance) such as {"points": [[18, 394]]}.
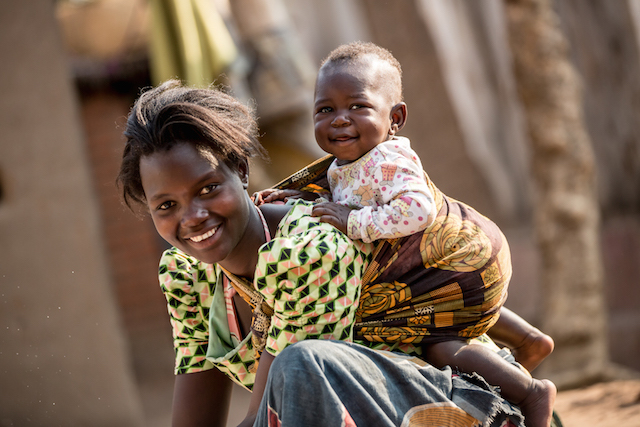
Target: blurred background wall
{"points": [[84, 336], [64, 353]]}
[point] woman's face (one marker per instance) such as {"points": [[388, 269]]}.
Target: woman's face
{"points": [[197, 203]]}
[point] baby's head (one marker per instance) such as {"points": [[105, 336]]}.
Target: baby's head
{"points": [[358, 100], [358, 52], [171, 114]]}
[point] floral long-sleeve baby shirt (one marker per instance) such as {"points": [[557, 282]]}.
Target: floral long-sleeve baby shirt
{"points": [[388, 190]]}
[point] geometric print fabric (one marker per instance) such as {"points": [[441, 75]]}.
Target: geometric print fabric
{"points": [[190, 287], [309, 273]]}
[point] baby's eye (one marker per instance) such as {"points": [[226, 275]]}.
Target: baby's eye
{"points": [[356, 106], [207, 189], [324, 110]]}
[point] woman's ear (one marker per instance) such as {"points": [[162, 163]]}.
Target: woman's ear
{"points": [[243, 173], [398, 117]]}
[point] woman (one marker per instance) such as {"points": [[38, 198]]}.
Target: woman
{"points": [[244, 284]]}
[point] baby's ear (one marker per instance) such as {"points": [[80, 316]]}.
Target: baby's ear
{"points": [[398, 117]]}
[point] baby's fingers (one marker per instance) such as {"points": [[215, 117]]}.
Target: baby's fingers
{"points": [[257, 198], [262, 196], [276, 195], [320, 209]]}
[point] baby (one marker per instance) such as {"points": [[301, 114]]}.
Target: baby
{"points": [[379, 191]]}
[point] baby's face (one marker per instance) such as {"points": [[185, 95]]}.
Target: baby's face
{"points": [[352, 112]]}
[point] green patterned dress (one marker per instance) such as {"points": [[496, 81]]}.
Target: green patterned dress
{"points": [[310, 273]]}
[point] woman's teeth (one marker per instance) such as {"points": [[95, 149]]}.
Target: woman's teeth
{"points": [[203, 236]]}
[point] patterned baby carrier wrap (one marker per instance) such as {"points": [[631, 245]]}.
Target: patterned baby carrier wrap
{"points": [[445, 282]]}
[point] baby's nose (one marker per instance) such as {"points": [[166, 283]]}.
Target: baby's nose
{"points": [[340, 120]]}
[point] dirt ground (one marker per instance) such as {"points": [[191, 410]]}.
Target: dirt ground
{"points": [[610, 404]]}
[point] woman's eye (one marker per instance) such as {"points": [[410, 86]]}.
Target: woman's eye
{"points": [[164, 206]]}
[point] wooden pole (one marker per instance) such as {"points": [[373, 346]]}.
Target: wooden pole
{"points": [[566, 216]]}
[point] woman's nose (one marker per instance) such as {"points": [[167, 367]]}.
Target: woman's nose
{"points": [[195, 215]]}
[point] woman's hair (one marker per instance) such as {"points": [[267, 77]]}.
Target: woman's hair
{"points": [[171, 114]]}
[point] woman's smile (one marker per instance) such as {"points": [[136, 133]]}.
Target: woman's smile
{"points": [[205, 236]]}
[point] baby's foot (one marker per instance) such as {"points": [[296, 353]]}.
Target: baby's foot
{"points": [[533, 349], [537, 407]]}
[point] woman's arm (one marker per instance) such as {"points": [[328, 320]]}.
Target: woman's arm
{"points": [[201, 399], [258, 389]]}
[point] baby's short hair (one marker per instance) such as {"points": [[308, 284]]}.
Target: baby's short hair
{"points": [[355, 50]]}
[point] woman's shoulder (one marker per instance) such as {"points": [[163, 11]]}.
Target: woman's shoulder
{"points": [[274, 213], [173, 260], [299, 225], [300, 230], [180, 270], [298, 219]]}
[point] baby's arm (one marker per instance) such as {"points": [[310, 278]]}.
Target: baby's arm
{"points": [[404, 203], [407, 214], [271, 195]]}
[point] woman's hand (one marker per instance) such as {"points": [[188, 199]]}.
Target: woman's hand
{"points": [[332, 213], [272, 195]]}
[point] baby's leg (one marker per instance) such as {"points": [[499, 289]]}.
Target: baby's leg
{"points": [[529, 345], [534, 397]]}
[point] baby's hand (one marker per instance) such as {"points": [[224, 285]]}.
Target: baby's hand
{"points": [[332, 213], [272, 195]]}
